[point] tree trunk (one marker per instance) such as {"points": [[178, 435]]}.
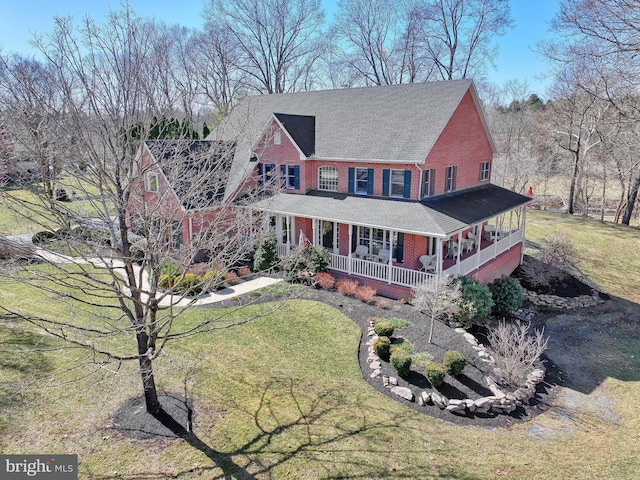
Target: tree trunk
{"points": [[150, 393], [631, 201], [574, 179]]}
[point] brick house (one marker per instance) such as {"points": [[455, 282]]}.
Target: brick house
{"points": [[393, 180]]}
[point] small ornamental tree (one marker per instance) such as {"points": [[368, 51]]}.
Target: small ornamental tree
{"points": [[266, 255], [506, 294], [437, 298]]}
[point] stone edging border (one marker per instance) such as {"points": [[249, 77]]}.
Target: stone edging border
{"points": [[498, 403]]}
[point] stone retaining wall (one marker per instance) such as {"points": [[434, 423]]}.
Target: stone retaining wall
{"points": [[562, 303]]}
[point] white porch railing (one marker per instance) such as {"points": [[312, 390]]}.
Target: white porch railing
{"points": [[486, 254], [410, 278], [379, 271]]}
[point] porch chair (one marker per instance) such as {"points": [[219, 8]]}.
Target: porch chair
{"points": [[428, 262], [452, 249], [361, 251], [384, 256]]}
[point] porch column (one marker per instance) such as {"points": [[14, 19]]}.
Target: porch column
{"points": [[390, 264], [524, 222], [438, 256], [510, 228], [314, 231], [349, 268]]}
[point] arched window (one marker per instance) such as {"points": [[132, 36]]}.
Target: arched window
{"points": [[328, 178]]}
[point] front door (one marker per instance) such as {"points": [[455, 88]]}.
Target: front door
{"points": [[327, 235]]}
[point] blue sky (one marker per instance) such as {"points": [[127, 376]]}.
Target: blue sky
{"points": [[19, 19]]}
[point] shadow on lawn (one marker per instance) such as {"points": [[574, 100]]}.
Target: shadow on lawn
{"points": [[333, 436]]}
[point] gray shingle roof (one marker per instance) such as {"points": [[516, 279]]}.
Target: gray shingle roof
{"points": [[395, 123], [197, 170], [390, 214]]}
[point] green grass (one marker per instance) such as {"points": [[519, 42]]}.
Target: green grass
{"points": [[607, 252], [282, 396]]}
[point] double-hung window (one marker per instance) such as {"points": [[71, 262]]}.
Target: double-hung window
{"points": [[290, 177], [485, 169], [428, 183], [267, 174], [396, 183], [450, 175], [361, 180]]}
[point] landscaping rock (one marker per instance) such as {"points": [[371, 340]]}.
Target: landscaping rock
{"points": [[375, 365], [403, 392], [375, 374]]}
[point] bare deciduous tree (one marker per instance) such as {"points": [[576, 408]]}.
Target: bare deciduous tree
{"points": [[108, 84], [280, 41], [458, 34]]}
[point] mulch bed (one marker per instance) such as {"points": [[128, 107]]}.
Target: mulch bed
{"points": [[471, 384]]}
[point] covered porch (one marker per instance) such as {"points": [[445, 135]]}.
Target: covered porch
{"points": [[398, 243]]}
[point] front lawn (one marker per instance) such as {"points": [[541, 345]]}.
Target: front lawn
{"points": [[283, 396]]}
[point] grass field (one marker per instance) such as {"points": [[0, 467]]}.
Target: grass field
{"points": [[283, 397]]}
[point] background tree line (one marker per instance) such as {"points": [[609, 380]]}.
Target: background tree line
{"points": [[583, 132]]}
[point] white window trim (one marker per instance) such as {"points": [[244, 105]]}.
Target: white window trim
{"points": [[355, 181], [147, 182], [484, 177], [391, 183], [321, 184]]}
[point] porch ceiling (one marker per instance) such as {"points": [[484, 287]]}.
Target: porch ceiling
{"points": [[477, 204], [389, 214]]}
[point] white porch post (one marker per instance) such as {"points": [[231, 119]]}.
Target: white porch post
{"points": [[510, 228], [458, 252], [390, 263], [314, 230], [524, 223], [350, 268], [438, 255]]}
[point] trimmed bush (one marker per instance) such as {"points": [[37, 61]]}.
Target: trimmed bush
{"points": [[165, 281], [401, 362], [475, 302], [506, 294], [454, 362], [383, 328], [244, 271], [213, 280], [365, 293], [382, 346], [231, 278], [325, 280], [44, 236], [382, 303], [169, 268], [435, 373], [346, 287], [421, 359]]}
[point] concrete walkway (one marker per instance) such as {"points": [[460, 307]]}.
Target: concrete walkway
{"points": [[166, 300]]}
